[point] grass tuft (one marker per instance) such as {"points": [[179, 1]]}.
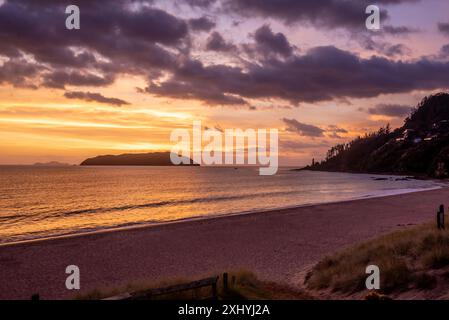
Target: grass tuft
{"points": [[404, 257]]}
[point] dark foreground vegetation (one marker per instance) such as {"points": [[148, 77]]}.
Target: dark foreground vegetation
{"points": [[411, 260]]}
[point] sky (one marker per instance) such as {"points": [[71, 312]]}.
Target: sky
{"points": [[138, 69]]}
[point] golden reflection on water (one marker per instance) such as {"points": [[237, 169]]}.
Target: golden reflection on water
{"points": [[42, 202]]}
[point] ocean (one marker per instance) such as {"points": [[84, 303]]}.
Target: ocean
{"points": [[42, 202]]}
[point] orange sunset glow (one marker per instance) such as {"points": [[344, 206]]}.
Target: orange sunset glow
{"points": [[40, 121], [212, 157]]}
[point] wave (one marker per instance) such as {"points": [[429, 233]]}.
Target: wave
{"points": [[37, 216]]}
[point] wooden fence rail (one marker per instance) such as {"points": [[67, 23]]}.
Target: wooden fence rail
{"points": [[151, 293]]}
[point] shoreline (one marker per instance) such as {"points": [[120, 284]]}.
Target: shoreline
{"points": [[277, 245], [391, 193]]}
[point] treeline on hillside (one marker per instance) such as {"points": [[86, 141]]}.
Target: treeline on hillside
{"points": [[419, 147]]}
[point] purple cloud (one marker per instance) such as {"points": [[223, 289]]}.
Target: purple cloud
{"points": [[95, 97]]}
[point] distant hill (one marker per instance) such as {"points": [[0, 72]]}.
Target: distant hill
{"points": [[131, 159], [51, 164], [419, 147]]}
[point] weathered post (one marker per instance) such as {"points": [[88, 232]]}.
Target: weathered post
{"points": [[440, 218], [225, 282], [214, 289]]}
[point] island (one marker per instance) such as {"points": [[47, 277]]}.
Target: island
{"points": [[134, 159], [51, 164]]}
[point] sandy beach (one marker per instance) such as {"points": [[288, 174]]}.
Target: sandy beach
{"points": [[276, 245]]}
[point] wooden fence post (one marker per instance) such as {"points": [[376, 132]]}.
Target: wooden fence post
{"points": [[214, 290], [225, 282], [440, 218]]}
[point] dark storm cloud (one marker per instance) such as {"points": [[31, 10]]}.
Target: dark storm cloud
{"points": [[95, 97], [383, 47], [200, 3], [322, 14], [20, 26], [19, 73], [303, 129], [444, 51], [60, 56], [155, 44], [395, 1], [401, 30], [322, 74], [311, 131], [153, 25], [444, 28], [201, 24], [396, 50], [60, 79], [126, 41], [216, 42], [186, 90], [271, 42], [182, 86], [390, 110]]}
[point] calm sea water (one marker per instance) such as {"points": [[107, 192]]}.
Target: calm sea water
{"points": [[38, 202]]}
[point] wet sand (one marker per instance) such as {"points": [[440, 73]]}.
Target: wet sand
{"points": [[276, 245]]}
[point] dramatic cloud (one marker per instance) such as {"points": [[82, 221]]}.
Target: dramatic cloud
{"points": [[271, 42], [382, 47], [322, 74], [400, 31], [390, 110], [444, 28], [396, 50], [321, 14], [200, 3], [216, 42], [59, 79], [19, 73], [95, 97], [303, 129], [125, 41], [156, 45], [444, 51], [185, 90], [311, 131], [201, 24]]}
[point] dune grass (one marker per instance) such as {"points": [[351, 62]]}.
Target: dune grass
{"points": [[406, 259]]}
